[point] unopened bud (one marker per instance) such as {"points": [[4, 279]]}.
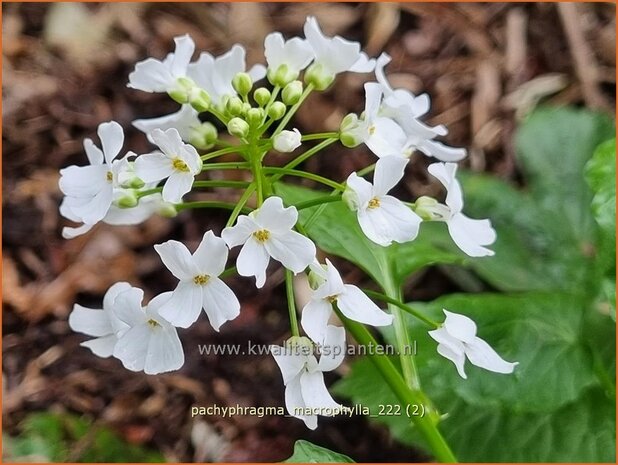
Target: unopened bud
{"points": [[254, 117], [287, 141], [261, 96], [127, 199], [242, 83], [234, 106], [316, 76], [277, 110], [238, 127], [203, 136], [199, 99], [292, 92], [281, 76], [167, 210]]}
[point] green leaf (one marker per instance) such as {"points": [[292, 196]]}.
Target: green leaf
{"points": [[306, 452], [601, 176]]}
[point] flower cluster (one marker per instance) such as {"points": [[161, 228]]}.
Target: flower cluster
{"points": [[218, 93]]}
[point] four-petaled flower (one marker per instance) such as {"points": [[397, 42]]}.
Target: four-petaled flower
{"points": [[303, 374], [286, 58], [457, 340], [199, 286], [469, 234], [267, 232], [350, 300], [177, 161], [383, 218]]}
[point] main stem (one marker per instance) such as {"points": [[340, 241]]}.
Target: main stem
{"points": [[402, 391]]}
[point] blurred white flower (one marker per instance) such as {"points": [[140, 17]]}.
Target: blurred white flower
{"points": [[352, 302], [287, 141], [306, 394], [383, 218], [199, 287], [267, 232], [177, 161], [457, 340]]}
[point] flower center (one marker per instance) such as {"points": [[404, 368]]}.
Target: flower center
{"points": [[374, 203], [332, 299], [153, 324], [262, 235], [109, 176], [180, 165], [372, 130], [201, 279]]}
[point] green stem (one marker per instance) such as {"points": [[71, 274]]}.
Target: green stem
{"points": [[240, 205], [226, 166], [208, 204], [228, 272], [289, 289], [425, 424], [366, 170], [233, 184], [304, 156], [303, 174], [224, 151], [319, 201], [144, 193], [321, 135], [404, 307], [286, 119]]}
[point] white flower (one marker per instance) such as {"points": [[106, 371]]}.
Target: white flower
{"points": [[383, 218], [470, 235], [286, 58], [179, 162], [457, 340], [199, 287], [89, 189], [287, 141], [267, 232], [150, 343], [101, 324], [334, 55], [184, 121], [215, 74], [152, 75], [352, 302], [306, 394]]}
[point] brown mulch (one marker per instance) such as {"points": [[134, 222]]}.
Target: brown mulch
{"points": [[65, 69]]}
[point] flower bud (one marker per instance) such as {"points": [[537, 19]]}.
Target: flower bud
{"points": [[277, 110], [315, 279], [349, 131], [234, 106], [430, 209], [350, 198], [242, 83], [127, 199], [254, 117], [281, 76], [299, 345], [167, 210], [238, 127], [292, 92], [316, 76], [203, 136], [182, 90], [199, 99], [287, 141], [261, 96]]}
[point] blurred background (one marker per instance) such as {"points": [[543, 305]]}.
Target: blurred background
{"points": [[65, 68]]}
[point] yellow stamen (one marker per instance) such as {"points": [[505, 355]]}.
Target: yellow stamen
{"points": [[374, 203], [332, 299], [262, 235], [372, 130], [201, 279], [153, 323], [109, 176], [180, 165]]}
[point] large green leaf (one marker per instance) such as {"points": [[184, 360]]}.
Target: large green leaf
{"points": [[601, 176], [306, 452]]}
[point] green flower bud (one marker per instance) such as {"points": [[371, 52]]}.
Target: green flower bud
{"points": [[238, 127], [234, 106], [300, 345], [182, 90], [203, 136], [242, 83], [315, 279], [277, 110], [167, 210], [281, 76], [128, 199], [261, 96], [292, 92], [430, 209], [199, 99], [255, 116], [245, 108], [136, 183], [349, 131], [316, 76]]}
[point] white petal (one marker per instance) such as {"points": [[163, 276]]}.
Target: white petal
{"points": [[442, 152], [132, 347], [253, 260], [102, 346], [151, 75], [112, 293], [291, 249], [482, 355], [182, 55], [361, 187], [334, 348], [457, 358], [164, 351], [177, 258], [183, 120], [445, 173], [211, 255], [227, 66], [153, 167], [389, 171], [471, 235], [314, 319], [373, 98], [383, 60], [127, 307], [97, 207], [83, 181], [136, 215], [363, 64], [294, 399], [386, 138], [272, 216], [315, 394], [90, 321], [169, 141], [391, 221], [257, 72], [355, 305], [459, 326], [239, 233], [112, 138], [183, 308], [333, 285], [177, 185], [94, 153], [219, 302], [289, 362], [450, 348], [71, 233]]}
